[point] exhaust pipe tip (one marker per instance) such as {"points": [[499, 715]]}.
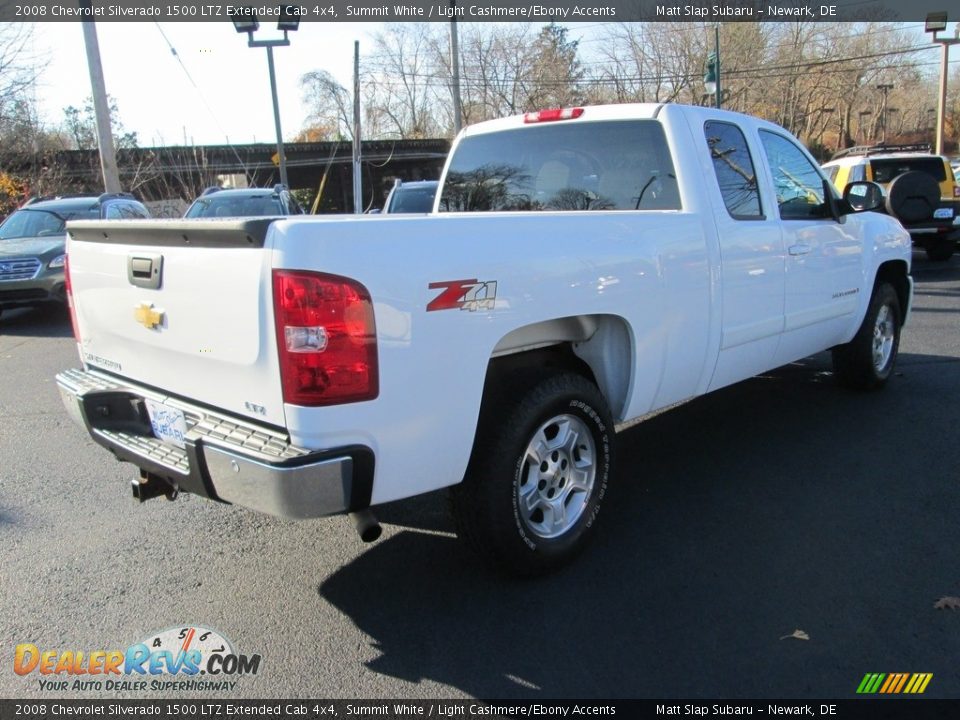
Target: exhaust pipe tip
{"points": [[368, 527]]}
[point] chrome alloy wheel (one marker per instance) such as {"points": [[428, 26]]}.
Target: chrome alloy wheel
{"points": [[884, 330], [556, 476]]}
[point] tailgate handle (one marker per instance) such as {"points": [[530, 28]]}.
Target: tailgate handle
{"points": [[145, 271]]}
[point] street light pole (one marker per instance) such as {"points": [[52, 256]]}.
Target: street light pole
{"points": [[716, 47], [289, 19], [455, 69], [935, 23], [281, 156]]}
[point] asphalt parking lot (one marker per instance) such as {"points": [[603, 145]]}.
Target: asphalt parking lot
{"points": [[783, 503]]}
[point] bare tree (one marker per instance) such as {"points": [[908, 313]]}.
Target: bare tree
{"points": [[330, 105], [404, 78]]}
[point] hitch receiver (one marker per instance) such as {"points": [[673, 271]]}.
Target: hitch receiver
{"points": [[149, 486]]}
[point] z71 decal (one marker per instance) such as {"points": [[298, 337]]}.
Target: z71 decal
{"points": [[469, 295]]}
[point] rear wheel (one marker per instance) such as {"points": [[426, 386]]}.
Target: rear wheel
{"points": [[941, 250], [867, 361], [538, 473]]}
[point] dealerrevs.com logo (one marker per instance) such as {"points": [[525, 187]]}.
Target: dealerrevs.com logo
{"points": [[181, 658]]}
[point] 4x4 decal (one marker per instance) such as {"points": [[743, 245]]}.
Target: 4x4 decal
{"points": [[469, 295]]}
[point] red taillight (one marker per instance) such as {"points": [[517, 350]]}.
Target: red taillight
{"points": [[69, 290], [326, 338], [553, 114]]}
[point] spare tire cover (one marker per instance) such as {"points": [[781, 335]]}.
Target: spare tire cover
{"points": [[913, 196]]}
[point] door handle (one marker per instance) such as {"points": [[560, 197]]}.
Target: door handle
{"points": [[799, 249]]}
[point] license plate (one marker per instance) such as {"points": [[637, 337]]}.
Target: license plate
{"points": [[168, 423], [943, 213]]}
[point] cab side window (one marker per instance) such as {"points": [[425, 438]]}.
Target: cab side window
{"points": [[734, 171], [798, 183]]}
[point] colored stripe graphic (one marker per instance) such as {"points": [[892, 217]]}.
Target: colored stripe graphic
{"points": [[894, 683]]}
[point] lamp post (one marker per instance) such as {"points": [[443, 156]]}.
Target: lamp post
{"points": [[711, 78], [289, 20], [936, 23]]}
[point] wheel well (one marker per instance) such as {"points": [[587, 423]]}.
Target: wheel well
{"points": [[598, 347], [895, 273]]}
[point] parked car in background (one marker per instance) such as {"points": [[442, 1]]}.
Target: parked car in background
{"points": [[218, 202], [411, 197], [32, 243], [905, 166]]}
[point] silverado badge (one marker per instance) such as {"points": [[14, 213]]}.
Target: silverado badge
{"points": [[147, 316]]}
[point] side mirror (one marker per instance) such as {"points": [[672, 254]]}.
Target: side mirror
{"points": [[863, 195]]}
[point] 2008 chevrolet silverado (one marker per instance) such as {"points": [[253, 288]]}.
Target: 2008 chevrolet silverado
{"points": [[581, 267]]}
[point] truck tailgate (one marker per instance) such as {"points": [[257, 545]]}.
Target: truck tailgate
{"points": [[183, 306]]}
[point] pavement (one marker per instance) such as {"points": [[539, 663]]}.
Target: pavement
{"points": [[781, 504]]}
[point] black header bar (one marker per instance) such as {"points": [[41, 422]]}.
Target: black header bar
{"points": [[543, 11], [41, 708]]}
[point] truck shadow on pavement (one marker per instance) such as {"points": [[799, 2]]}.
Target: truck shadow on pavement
{"points": [[779, 504], [45, 321]]}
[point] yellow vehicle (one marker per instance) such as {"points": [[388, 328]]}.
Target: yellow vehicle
{"points": [[883, 164]]}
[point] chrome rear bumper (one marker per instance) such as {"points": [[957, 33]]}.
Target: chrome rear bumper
{"points": [[225, 458]]}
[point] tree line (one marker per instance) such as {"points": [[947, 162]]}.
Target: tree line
{"points": [[832, 84]]}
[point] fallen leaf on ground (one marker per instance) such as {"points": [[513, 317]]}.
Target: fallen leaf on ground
{"points": [[948, 603], [797, 634]]}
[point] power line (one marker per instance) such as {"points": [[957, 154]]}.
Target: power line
{"points": [[762, 72]]}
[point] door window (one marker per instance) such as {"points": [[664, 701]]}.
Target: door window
{"points": [[797, 182]]}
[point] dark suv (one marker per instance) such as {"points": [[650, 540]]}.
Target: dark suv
{"points": [[244, 202], [411, 197], [33, 243]]}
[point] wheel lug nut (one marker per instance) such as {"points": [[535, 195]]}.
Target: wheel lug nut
{"points": [[541, 485]]}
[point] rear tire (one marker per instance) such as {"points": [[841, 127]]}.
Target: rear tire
{"points": [[941, 250], [867, 361], [537, 476]]}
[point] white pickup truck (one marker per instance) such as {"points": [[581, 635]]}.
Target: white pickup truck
{"points": [[581, 267]]}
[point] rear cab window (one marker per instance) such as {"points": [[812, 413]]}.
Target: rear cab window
{"points": [[600, 165], [734, 170]]}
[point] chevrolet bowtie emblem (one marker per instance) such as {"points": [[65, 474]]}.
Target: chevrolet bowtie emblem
{"points": [[145, 314]]}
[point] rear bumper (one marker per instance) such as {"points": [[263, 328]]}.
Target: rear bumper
{"points": [[225, 458]]}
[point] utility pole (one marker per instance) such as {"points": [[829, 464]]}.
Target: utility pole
{"points": [[883, 110], [455, 66], [108, 158], [357, 185]]}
